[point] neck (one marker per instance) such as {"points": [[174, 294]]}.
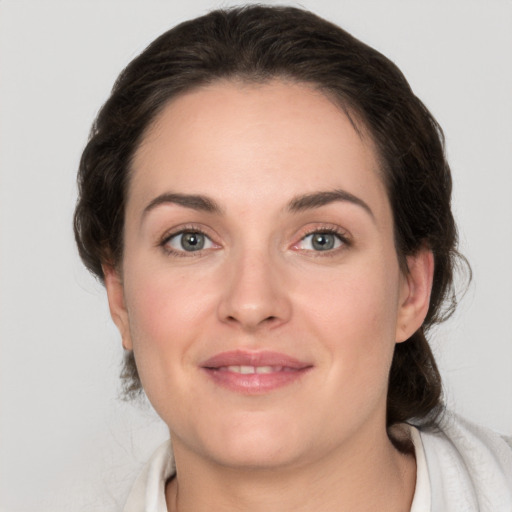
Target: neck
{"points": [[369, 476]]}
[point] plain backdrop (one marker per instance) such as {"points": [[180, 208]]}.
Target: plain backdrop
{"points": [[67, 443]]}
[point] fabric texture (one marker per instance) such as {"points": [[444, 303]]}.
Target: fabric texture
{"points": [[470, 467], [461, 467]]}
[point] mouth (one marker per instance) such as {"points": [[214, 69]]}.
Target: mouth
{"points": [[254, 372], [248, 370]]}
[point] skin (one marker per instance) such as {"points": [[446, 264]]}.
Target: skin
{"points": [[319, 443]]}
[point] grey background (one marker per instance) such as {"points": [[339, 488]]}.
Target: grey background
{"points": [[66, 442]]}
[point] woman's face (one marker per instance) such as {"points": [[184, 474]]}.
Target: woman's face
{"points": [[260, 287]]}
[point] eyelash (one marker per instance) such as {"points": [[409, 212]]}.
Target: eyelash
{"points": [[327, 230], [180, 254]]}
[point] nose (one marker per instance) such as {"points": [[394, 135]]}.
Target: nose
{"points": [[255, 294]]}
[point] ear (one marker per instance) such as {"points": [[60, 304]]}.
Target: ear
{"points": [[415, 294], [116, 303]]}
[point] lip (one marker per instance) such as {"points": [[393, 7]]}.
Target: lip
{"points": [[272, 370]]}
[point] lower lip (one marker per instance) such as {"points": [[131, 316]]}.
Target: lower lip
{"points": [[255, 383]]}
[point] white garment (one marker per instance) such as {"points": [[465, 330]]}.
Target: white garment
{"points": [[422, 492], [460, 468], [470, 467]]}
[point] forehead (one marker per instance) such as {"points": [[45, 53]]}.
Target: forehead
{"points": [[243, 139]]}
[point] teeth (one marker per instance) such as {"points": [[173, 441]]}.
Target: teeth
{"points": [[247, 370], [265, 369]]}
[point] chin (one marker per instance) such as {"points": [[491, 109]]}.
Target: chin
{"points": [[255, 443], [258, 453]]}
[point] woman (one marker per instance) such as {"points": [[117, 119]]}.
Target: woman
{"points": [[268, 205]]}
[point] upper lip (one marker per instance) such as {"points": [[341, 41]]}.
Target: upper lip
{"points": [[260, 358]]}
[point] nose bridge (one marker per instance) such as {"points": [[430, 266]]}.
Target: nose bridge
{"points": [[254, 294]]}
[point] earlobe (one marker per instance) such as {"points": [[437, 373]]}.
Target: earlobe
{"points": [[415, 294], [116, 303]]}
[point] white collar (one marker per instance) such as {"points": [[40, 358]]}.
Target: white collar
{"points": [[422, 492], [148, 493], [460, 467]]}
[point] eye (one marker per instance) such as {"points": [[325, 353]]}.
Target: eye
{"points": [[188, 241], [321, 241]]}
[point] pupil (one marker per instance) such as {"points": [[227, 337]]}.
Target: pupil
{"points": [[323, 241], [192, 241]]}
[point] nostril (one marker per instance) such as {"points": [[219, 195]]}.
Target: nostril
{"points": [[268, 319]]}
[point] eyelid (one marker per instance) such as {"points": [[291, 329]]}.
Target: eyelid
{"points": [[343, 235], [179, 230]]}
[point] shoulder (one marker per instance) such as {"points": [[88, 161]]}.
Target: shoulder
{"points": [[469, 466]]}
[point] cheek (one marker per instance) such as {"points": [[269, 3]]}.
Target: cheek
{"points": [[166, 316], [165, 319], [359, 301], [161, 303], [355, 313]]}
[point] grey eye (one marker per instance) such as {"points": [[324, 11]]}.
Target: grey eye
{"points": [[190, 241], [320, 242], [323, 241]]}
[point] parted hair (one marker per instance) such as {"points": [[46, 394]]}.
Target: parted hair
{"points": [[260, 43]]}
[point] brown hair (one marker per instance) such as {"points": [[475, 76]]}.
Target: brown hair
{"points": [[259, 43]]}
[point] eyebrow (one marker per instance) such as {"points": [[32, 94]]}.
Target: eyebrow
{"points": [[322, 198], [192, 201], [297, 204]]}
